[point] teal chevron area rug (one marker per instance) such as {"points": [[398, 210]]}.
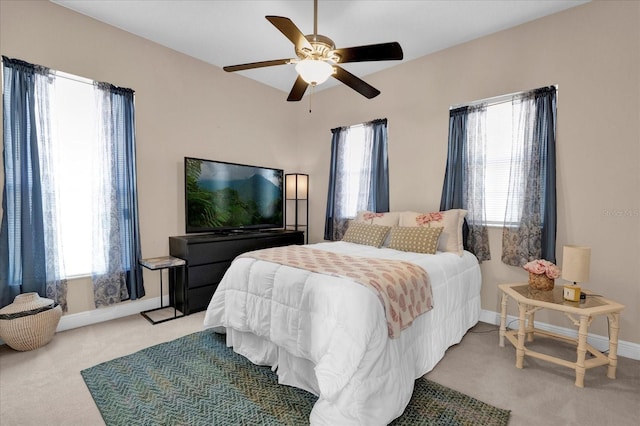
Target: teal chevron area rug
{"points": [[198, 380]]}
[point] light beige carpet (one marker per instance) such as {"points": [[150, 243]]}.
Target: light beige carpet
{"points": [[44, 386]]}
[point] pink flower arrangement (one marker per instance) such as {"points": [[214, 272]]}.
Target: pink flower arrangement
{"points": [[541, 266], [425, 218]]}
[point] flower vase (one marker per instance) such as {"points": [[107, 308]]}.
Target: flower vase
{"points": [[540, 282]]}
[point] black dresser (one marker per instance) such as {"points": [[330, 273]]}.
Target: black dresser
{"points": [[209, 255]]}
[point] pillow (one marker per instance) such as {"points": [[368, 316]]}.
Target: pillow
{"points": [[366, 234], [385, 219], [416, 239], [451, 221]]}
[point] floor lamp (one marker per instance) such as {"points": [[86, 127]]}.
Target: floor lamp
{"points": [[297, 192]]}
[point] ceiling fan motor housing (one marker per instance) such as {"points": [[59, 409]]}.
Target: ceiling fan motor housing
{"points": [[322, 48]]}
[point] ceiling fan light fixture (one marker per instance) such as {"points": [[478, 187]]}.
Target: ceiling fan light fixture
{"points": [[314, 71]]}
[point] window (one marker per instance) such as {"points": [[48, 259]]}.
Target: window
{"points": [[499, 149], [76, 131], [501, 169], [70, 186], [359, 178], [502, 150], [354, 172]]}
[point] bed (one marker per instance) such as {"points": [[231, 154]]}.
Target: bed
{"points": [[329, 335]]}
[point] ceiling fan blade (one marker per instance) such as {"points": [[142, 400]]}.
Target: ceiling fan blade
{"points": [[289, 29], [372, 52], [252, 65], [297, 92], [360, 86]]}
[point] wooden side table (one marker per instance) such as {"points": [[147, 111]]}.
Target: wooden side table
{"points": [[158, 264], [581, 314]]}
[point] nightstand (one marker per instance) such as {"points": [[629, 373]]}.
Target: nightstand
{"points": [[581, 314]]}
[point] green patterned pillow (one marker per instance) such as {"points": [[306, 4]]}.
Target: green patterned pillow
{"points": [[416, 239], [450, 220], [366, 234]]}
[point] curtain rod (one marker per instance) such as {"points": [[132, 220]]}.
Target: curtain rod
{"points": [[72, 77], [355, 126], [57, 73], [495, 100]]}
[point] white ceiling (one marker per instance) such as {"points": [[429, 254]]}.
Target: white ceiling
{"points": [[230, 32]]}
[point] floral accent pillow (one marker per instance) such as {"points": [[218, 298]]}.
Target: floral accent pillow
{"points": [[417, 239], [366, 234], [385, 219], [450, 221]]}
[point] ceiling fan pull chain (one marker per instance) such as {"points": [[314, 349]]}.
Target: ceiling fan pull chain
{"points": [[313, 89]]}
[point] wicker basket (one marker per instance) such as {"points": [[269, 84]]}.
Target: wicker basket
{"points": [[540, 282], [29, 322]]}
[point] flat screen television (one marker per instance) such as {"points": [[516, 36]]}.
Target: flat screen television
{"points": [[222, 197]]}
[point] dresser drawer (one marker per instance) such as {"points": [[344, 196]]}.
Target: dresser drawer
{"points": [[211, 273], [199, 298]]}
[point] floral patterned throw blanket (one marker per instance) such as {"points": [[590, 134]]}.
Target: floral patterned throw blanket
{"points": [[403, 288]]}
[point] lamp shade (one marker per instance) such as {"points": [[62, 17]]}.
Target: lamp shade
{"points": [[314, 71], [576, 261], [296, 186]]}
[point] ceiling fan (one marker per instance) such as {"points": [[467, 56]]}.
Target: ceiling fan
{"points": [[318, 59]]}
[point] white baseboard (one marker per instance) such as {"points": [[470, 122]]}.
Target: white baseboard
{"points": [[70, 321], [67, 322], [625, 349]]}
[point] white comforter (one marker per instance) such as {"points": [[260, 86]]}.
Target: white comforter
{"points": [[329, 335]]}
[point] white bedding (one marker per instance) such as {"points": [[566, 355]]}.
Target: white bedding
{"points": [[329, 335]]}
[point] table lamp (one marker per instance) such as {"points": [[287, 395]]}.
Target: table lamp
{"points": [[575, 267]]}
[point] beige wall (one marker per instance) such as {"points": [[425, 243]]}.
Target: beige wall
{"points": [[592, 53], [185, 107]]}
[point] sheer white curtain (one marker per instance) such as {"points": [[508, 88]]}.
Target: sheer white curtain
{"points": [[49, 147], [109, 277], [530, 218], [347, 181], [353, 175], [365, 176], [474, 193]]}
